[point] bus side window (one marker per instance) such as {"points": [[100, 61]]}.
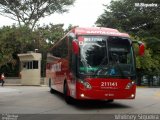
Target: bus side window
{"points": [[72, 58], [55, 52], [74, 64], [70, 53], [64, 48], [61, 50]]}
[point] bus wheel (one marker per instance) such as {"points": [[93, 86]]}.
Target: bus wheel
{"points": [[67, 98], [109, 101], [51, 89]]}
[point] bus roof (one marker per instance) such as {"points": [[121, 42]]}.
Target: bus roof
{"points": [[94, 31], [98, 31]]}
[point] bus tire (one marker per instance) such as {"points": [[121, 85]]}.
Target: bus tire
{"points": [[67, 98], [51, 89], [110, 101]]}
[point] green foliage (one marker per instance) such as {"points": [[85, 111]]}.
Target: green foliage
{"points": [[14, 40], [153, 43], [70, 27], [44, 38], [48, 34], [123, 14], [143, 23], [29, 12]]}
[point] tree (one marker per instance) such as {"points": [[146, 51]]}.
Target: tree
{"points": [[70, 27], [44, 38], [15, 40], [49, 33], [143, 23], [125, 15], [29, 12]]}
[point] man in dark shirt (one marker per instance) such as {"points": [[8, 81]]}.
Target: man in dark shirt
{"points": [[2, 77]]}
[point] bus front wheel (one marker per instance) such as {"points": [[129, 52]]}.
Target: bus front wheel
{"points": [[52, 91], [67, 98], [109, 101]]}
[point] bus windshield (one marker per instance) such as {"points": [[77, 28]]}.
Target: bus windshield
{"points": [[106, 56]]}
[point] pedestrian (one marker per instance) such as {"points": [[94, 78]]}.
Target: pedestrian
{"points": [[2, 77]]}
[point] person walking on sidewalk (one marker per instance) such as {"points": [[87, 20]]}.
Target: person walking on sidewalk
{"points": [[2, 77]]}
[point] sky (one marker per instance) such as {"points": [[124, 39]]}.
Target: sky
{"points": [[83, 13]]}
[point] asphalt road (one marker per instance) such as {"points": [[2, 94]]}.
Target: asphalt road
{"points": [[38, 100]]}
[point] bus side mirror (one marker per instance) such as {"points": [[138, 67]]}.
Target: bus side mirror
{"points": [[141, 49], [75, 47]]}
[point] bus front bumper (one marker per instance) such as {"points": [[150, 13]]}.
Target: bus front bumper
{"points": [[105, 94]]}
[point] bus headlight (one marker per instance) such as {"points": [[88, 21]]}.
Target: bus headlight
{"points": [[132, 95], [129, 85], [85, 84]]}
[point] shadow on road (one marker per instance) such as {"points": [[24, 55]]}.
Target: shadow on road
{"points": [[97, 104], [93, 104]]}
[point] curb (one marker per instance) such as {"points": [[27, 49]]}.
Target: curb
{"points": [[24, 85], [142, 86]]}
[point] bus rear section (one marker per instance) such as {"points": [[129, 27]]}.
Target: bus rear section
{"points": [[99, 65]]}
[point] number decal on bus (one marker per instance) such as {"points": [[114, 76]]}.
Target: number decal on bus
{"points": [[109, 84]]}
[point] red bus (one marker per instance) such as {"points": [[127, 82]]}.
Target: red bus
{"points": [[93, 63]]}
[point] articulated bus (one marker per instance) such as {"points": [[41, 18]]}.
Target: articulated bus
{"points": [[94, 64]]}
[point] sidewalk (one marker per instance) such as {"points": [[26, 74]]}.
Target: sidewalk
{"points": [[17, 82]]}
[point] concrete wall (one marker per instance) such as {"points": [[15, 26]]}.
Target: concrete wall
{"points": [[30, 77], [17, 81], [13, 81]]}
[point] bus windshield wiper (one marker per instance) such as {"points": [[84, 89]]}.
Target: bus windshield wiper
{"points": [[101, 65]]}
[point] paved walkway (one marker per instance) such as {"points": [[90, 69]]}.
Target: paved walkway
{"points": [[4, 89]]}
